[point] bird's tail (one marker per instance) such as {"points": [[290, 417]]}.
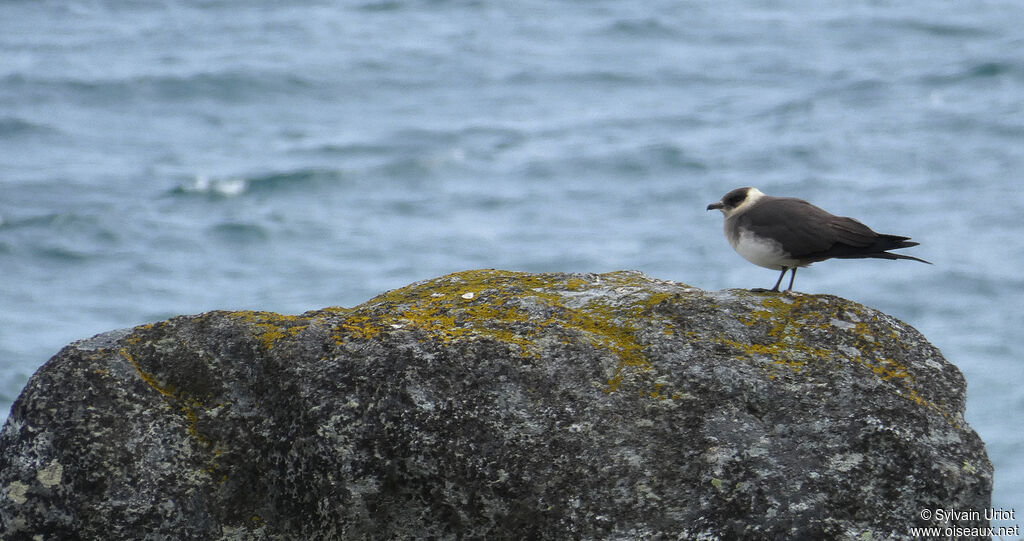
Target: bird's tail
{"points": [[887, 255], [893, 242]]}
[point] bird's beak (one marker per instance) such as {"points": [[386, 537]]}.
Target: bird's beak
{"points": [[715, 206]]}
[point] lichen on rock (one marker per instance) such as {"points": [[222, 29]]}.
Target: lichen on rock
{"points": [[500, 405]]}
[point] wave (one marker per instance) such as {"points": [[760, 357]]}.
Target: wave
{"points": [[235, 186], [568, 76], [982, 70], [60, 221], [990, 69], [625, 162], [11, 126], [231, 86], [239, 232], [203, 185], [60, 254], [57, 238], [644, 28], [414, 152], [941, 29], [297, 179]]}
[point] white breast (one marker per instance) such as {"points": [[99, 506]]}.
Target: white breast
{"points": [[760, 251]]}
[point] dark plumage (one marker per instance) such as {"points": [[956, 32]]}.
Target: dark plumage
{"points": [[786, 233]]}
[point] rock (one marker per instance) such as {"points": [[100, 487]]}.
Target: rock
{"points": [[499, 405]]}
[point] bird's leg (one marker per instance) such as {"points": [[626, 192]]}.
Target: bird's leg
{"points": [[779, 281], [791, 278]]}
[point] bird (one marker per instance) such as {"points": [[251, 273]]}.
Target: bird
{"points": [[785, 233]]}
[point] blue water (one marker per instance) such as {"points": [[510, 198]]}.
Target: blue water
{"points": [[160, 158]]}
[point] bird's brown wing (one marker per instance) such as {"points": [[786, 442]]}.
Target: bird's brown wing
{"points": [[804, 230]]}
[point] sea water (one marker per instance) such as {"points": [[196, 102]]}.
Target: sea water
{"points": [[167, 157]]}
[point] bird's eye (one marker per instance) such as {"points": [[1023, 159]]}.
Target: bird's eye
{"points": [[734, 201]]}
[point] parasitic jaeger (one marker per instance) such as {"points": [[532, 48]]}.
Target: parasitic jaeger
{"points": [[784, 233]]}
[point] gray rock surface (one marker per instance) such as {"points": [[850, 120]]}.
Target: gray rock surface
{"points": [[498, 405]]}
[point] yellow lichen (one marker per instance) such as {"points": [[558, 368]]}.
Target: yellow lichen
{"points": [[271, 327], [789, 321], [186, 404], [502, 306], [359, 327]]}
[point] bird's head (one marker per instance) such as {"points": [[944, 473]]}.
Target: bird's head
{"points": [[736, 200]]}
